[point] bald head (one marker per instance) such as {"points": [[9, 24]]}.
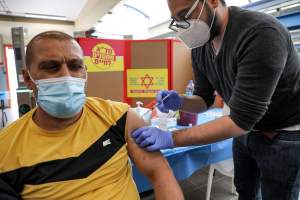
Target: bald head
{"points": [[54, 35]]}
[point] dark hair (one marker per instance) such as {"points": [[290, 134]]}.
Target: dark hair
{"points": [[222, 1], [57, 35]]}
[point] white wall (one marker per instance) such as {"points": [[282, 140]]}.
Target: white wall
{"points": [[12, 113], [32, 28]]}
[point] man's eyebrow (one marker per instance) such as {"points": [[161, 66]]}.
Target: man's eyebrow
{"points": [[75, 60], [181, 14]]}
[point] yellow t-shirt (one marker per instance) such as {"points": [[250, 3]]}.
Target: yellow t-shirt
{"points": [[86, 161]]}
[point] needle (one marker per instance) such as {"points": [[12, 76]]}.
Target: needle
{"points": [[156, 104]]}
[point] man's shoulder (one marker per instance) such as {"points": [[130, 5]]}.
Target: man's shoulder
{"points": [[242, 21], [15, 127], [249, 29], [239, 15], [12, 136], [107, 108]]}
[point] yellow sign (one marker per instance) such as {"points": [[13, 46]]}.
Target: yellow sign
{"points": [[104, 59], [146, 82]]}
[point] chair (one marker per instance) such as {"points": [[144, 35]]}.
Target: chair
{"points": [[226, 168]]}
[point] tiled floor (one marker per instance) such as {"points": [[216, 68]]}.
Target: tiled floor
{"points": [[194, 188]]}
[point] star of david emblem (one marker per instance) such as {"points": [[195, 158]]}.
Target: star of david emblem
{"points": [[147, 81]]}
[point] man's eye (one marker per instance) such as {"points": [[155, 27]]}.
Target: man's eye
{"points": [[76, 66], [50, 67], [181, 18]]}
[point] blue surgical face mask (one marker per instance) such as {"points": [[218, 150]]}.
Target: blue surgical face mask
{"points": [[61, 97]]}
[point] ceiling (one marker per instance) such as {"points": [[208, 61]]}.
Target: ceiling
{"points": [[70, 9], [135, 17], [115, 18]]}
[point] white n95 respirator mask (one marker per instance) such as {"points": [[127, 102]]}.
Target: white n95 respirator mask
{"points": [[198, 33]]}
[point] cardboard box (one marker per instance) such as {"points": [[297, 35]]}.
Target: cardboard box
{"points": [[155, 63]]}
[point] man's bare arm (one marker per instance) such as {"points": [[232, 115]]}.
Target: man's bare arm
{"points": [[214, 131], [153, 165]]}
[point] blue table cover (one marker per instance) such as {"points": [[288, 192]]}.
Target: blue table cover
{"points": [[186, 160]]}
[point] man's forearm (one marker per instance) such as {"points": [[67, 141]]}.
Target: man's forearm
{"points": [[193, 104], [165, 185], [214, 131]]}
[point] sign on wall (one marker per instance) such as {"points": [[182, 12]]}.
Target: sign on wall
{"points": [[146, 82], [103, 55]]}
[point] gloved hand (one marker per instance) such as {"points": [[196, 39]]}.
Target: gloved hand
{"points": [[172, 102], [153, 139]]}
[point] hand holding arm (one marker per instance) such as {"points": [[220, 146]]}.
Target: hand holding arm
{"points": [[153, 139]]}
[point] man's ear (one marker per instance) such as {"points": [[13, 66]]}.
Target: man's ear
{"points": [[27, 80], [214, 3]]}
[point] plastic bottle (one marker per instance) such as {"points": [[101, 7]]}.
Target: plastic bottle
{"points": [[138, 109], [189, 90]]}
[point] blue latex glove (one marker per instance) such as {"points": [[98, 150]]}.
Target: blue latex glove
{"points": [[153, 139], [173, 102]]}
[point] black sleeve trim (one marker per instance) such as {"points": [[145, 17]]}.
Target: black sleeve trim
{"points": [[7, 192]]}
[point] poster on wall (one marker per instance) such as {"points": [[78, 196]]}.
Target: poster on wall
{"points": [[146, 82], [103, 55]]}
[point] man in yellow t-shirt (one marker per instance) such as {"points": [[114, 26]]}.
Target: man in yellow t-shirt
{"points": [[70, 146]]}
